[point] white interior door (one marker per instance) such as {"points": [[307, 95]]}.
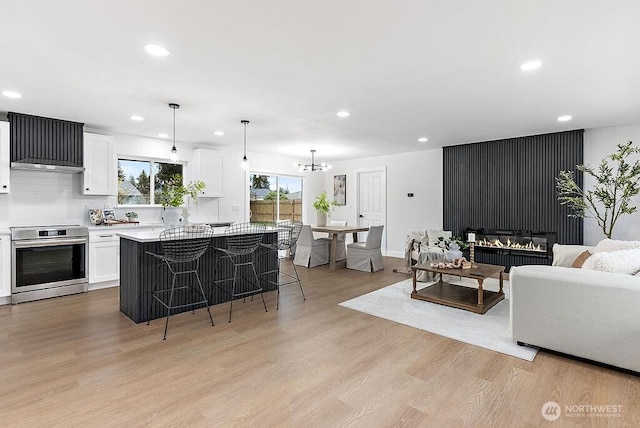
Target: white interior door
{"points": [[372, 190]]}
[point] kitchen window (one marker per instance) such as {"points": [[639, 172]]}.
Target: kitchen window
{"points": [[140, 181]]}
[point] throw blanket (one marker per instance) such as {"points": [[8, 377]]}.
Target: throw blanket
{"points": [[417, 253]]}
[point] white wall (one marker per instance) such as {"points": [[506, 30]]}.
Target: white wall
{"points": [[599, 143], [419, 173]]}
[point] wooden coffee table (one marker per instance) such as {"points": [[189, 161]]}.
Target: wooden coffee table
{"points": [[458, 296]]}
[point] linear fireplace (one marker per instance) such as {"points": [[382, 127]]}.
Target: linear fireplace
{"points": [[513, 247]]}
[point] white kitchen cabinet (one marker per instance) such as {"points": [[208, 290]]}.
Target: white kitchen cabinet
{"points": [[104, 256], [5, 159], [207, 167], [5, 266], [100, 165]]}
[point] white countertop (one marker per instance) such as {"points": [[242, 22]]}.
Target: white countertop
{"points": [[120, 226], [154, 236], [149, 236], [140, 236]]}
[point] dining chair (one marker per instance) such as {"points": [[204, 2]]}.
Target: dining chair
{"points": [[367, 256], [310, 252]]}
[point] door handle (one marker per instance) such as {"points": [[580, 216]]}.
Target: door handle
{"points": [[361, 216]]}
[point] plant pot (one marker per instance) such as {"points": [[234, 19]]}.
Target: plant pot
{"points": [[171, 217], [321, 218]]}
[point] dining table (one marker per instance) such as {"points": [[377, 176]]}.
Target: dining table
{"points": [[334, 232]]}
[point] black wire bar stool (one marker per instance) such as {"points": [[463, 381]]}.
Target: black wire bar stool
{"points": [[288, 233], [182, 248], [243, 240]]}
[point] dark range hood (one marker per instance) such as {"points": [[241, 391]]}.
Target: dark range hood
{"points": [[44, 144]]}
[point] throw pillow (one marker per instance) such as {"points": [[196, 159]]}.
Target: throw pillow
{"points": [[623, 261], [614, 245], [564, 255], [579, 261], [434, 234]]}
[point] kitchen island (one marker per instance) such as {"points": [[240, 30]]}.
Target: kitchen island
{"points": [[140, 273]]}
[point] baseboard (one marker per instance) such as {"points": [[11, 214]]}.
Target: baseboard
{"points": [[105, 284], [396, 254], [6, 300]]}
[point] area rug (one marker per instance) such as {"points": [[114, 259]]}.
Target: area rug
{"points": [[490, 331]]}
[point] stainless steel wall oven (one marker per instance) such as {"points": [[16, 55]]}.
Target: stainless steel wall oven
{"points": [[48, 261]]}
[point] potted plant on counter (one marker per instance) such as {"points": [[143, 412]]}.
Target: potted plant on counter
{"points": [[131, 216], [172, 195], [322, 206]]}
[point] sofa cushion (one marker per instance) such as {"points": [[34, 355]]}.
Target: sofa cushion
{"points": [[623, 261], [614, 245], [579, 261], [565, 255], [434, 234]]}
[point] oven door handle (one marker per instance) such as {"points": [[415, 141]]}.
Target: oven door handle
{"points": [[48, 242]]}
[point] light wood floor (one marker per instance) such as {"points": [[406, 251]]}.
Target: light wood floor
{"points": [[76, 361]]}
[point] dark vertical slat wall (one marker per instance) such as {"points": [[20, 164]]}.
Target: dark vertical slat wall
{"points": [[510, 184], [44, 138]]}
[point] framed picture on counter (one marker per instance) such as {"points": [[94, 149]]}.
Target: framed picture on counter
{"points": [[109, 214]]}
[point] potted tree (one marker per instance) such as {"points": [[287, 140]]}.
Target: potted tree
{"points": [[172, 197], [617, 183], [322, 206]]}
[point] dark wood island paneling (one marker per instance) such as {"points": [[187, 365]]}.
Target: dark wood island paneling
{"points": [[140, 273]]}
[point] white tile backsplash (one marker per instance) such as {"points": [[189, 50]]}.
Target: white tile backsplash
{"points": [[45, 198]]}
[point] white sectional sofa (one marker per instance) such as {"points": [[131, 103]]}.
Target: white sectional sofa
{"points": [[584, 313]]}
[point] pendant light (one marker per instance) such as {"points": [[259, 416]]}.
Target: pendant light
{"points": [[174, 152], [244, 157]]}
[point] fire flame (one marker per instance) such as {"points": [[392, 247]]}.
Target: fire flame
{"points": [[497, 243]]}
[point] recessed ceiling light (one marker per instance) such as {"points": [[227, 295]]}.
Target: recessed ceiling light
{"points": [[423, 139], [531, 65], [156, 50], [137, 118], [163, 135], [343, 114], [11, 94], [564, 118], [219, 133]]}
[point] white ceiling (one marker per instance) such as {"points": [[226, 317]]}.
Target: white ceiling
{"points": [[448, 70]]}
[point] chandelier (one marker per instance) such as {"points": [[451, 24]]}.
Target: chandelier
{"points": [[313, 166]]}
